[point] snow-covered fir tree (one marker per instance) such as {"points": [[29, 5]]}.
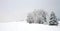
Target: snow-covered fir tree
{"points": [[53, 19]]}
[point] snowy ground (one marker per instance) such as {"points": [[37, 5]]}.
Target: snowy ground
{"points": [[24, 26]]}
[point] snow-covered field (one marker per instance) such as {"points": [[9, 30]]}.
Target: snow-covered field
{"points": [[24, 26]]}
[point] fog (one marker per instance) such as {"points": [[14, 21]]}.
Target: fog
{"points": [[17, 10]]}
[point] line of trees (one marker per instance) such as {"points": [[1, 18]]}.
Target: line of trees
{"points": [[40, 16]]}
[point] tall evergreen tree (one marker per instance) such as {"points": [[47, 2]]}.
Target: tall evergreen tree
{"points": [[53, 19]]}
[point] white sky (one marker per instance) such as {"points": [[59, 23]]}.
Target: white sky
{"points": [[16, 10]]}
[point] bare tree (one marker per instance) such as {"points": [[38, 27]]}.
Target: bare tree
{"points": [[38, 16]]}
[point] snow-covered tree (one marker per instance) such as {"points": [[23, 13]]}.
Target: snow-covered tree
{"points": [[53, 19], [30, 18], [38, 16]]}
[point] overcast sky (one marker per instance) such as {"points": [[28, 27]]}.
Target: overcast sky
{"points": [[16, 10]]}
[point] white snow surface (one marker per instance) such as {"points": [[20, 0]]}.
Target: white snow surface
{"points": [[24, 26]]}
